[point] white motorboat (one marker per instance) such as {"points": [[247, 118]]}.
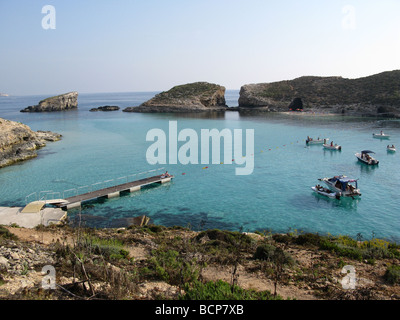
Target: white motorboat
{"points": [[316, 141], [381, 135], [332, 147], [343, 185], [365, 157], [391, 148], [326, 192]]}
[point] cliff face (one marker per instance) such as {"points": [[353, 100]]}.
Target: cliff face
{"points": [[18, 142], [377, 95], [198, 96], [62, 102]]}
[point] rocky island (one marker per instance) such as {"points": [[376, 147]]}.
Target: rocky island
{"points": [[63, 102], [193, 97], [18, 142], [376, 95], [105, 108]]}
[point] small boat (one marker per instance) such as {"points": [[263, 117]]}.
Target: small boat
{"points": [[326, 192], [391, 148], [381, 135], [332, 147], [343, 185], [316, 141], [365, 157]]}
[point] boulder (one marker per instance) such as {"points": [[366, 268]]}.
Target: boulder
{"points": [[193, 97], [63, 102]]}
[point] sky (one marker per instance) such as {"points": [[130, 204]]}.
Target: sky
{"points": [[153, 45]]}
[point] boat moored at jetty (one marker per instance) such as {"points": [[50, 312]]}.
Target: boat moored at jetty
{"points": [[342, 185], [365, 157]]}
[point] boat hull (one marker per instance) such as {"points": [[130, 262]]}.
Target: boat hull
{"points": [[326, 193], [381, 136], [335, 147], [372, 162]]}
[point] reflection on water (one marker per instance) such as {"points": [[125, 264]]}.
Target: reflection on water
{"points": [[347, 203]]}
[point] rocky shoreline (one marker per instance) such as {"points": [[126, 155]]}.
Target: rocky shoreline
{"points": [[154, 262], [18, 142], [373, 96]]}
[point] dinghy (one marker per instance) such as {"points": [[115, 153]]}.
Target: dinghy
{"points": [[381, 135], [326, 192]]}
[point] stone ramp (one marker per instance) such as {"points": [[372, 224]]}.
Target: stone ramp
{"points": [[46, 217]]}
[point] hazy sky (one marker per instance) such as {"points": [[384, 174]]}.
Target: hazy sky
{"points": [[152, 45]]}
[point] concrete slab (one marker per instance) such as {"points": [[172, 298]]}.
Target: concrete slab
{"points": [[46, 217]]}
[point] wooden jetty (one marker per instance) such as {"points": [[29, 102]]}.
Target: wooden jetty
{"points": [[112, 192]]}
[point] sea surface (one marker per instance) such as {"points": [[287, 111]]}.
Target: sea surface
{"points": [[100, 149]]}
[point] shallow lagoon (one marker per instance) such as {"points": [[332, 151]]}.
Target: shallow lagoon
{"points": [[99, 147]]}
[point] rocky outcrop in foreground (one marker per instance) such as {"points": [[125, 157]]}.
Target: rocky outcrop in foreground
{"points": [[62, 102], [105, 108], [18, 142], [376, 95], [193, 97]]}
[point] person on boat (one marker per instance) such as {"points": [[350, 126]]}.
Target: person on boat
{"points": [[393, 146], [331, 143], [165, 175]]}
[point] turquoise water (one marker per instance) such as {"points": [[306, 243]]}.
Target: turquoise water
{"points": [[99, 147]]}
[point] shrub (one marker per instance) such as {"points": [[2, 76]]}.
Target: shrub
{"points": [[265, 252], [221, 290], [109, 248], [6, 234], [173, 269], [308, 239], [282, 238], [229, 237], [392, 274]]}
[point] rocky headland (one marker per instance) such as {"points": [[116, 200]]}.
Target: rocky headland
{"points": [[105, 109], [376, 95], [63, 102], [18, 142], [193, 97], [3, 94]]}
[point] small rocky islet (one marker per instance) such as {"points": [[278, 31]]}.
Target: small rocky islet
{"points": [[192, 97], [62, 102]]}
